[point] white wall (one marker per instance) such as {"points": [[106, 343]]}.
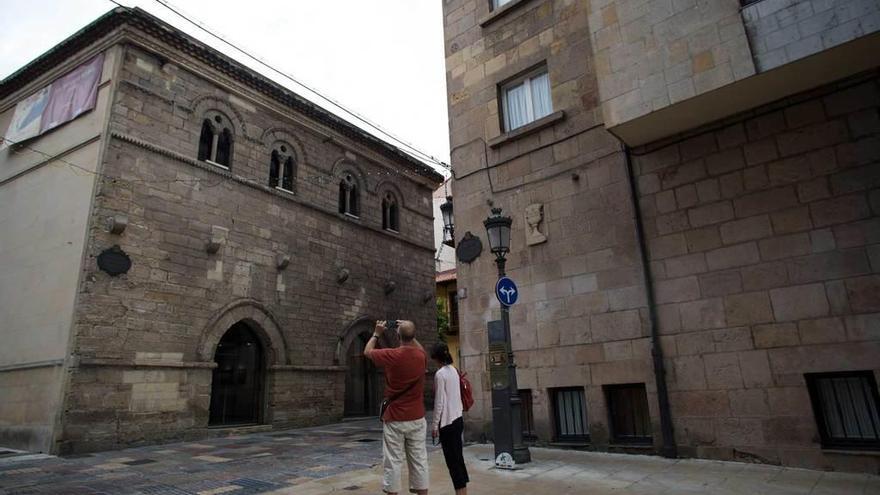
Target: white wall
{"points": [[44, 213]]}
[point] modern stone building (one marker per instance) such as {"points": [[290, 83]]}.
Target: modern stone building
{"points": [[695, 194], [200, 249]]}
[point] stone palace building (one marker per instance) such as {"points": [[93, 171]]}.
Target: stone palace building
{"points": [[189, 247], [695, 195]]}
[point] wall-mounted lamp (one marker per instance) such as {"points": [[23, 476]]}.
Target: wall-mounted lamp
{"points": [[448, 222]]}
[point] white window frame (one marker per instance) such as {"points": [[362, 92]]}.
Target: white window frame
{"points": [[525, 81]]}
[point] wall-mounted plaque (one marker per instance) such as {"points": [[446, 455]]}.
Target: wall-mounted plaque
{"points": [[469, 248], [114, 261]]}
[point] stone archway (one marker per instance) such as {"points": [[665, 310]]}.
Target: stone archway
{"points": [[258, 318], [238, 382], [364, 382]]}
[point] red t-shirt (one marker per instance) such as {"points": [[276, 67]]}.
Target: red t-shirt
{"points": [[403, 366]]}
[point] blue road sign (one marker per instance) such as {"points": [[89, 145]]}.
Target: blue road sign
{"points": [[506, 291]]}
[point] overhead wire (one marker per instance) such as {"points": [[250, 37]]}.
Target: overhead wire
{"points": [[409, 148]]}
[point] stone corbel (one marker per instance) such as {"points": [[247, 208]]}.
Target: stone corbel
{"points": [[218, 239]]}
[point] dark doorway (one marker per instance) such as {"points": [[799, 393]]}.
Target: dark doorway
{"points": [[364, 383], [237, 385]]}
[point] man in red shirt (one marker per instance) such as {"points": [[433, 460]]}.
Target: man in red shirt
{"points": [[404, 429]]}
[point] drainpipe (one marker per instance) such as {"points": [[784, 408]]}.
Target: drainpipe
{"points": [[669, 448]]}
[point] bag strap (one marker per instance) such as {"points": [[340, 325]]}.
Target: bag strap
{"points": [[409, 387]]}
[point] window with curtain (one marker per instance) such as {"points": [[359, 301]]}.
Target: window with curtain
{"points": [[281, 168], [845, 405], [570, 414], [526, 100], [215, 141]]}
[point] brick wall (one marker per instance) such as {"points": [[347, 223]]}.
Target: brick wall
{"points": [[764, 242], [144, 372]]}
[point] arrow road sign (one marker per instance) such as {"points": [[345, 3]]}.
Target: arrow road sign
{"points": [[506, 291]]}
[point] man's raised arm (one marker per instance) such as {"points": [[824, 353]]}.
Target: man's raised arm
{"points": [[374, 339]]}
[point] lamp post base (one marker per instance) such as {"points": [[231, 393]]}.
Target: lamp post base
{"points": [[521, 455]]}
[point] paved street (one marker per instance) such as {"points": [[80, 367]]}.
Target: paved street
{"points": [[344, 458]]}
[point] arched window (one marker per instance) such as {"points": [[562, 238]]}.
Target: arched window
{"points": [[281, 168], [348, 196], [215, 141], [390, 213]]}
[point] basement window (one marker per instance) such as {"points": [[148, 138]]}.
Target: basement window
{"points": [[845, 405], [628, 411], [570, 414]]}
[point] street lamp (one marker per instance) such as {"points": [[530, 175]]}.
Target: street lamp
{"points": [[448, 222], [506, 403]]}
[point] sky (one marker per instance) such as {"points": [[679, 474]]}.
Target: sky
{"points": [[383, 59]]}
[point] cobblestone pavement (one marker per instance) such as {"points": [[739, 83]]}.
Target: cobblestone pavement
{"points": [[345, 458]]}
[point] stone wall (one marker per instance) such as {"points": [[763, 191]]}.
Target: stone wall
{"points": [[763, 234], [145, 340], [782, 31], [582, 319], [652, 54]]}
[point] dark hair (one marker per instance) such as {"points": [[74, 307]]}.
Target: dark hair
{"points": [[440, 352]]}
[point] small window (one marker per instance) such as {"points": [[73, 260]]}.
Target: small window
{"points": [[570, 414], [281, 168], [527, 417], [215, 141], [499, 3], [453, 312], [390, 213], [348, 196], [526, 100], [628, 411], [846, 408]]}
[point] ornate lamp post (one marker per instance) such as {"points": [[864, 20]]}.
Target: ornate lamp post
{"points": [[448, 222], [506, 403]]}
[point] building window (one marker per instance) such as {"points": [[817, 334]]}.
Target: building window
{"points": [[215, 141], [526, 100], [527, 417], [281, 168], [499, 3], [390, 213], [628, 411], [846, 408], [453, 312], [348, 196], [570, 414]]}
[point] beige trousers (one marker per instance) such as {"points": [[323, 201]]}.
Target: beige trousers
{"points": [[401, 438]]}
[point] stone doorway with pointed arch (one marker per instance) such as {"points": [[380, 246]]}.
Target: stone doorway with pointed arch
{"points": [[364, 382], [244, 341]]}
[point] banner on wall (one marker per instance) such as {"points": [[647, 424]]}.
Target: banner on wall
{"points": [[58, 103]]}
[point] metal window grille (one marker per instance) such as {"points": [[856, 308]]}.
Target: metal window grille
{"points": [[570, 414], [527, 417], [846, 408], [628, 410]]}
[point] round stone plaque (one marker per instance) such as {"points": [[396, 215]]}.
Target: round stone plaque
{"points": [[114, 261]]}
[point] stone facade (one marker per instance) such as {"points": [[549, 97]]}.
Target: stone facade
{"points": [[142, 351], [763, 237], [740, 252], [582, 319]]}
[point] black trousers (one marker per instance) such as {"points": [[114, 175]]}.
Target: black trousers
{"points": [[451, 441]]}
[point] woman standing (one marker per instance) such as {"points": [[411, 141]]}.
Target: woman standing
{"points": [[447, 420]]}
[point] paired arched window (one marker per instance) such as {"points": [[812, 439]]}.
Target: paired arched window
{"points": [[349, 196], [281, 168], [390, 213], [215, 141]]}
